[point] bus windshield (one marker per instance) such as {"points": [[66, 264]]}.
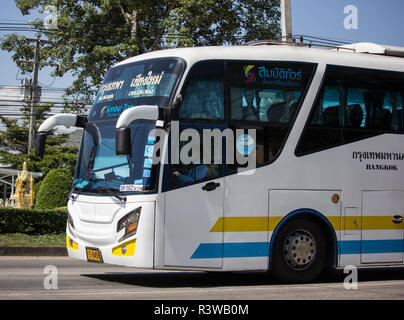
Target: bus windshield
{"points": [[148, 82], [99, 169]]}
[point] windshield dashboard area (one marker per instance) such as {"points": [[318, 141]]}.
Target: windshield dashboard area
{"points": [[100, 170]]}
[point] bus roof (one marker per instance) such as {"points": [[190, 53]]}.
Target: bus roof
{"points": [[374, 48], [364, 54]]}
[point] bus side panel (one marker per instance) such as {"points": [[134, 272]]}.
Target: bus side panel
{"points": [[245, 223], [190, 236], [385, 244], [326, 204], [372, 186]]}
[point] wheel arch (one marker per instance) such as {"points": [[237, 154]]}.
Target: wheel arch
{"points": [[322, 221]]}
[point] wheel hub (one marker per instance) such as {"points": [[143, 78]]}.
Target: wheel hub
{"points": [[300, 249]]}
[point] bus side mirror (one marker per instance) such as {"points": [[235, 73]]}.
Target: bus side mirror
{"points": [[40, 144], [59, 119], [123, 142]]}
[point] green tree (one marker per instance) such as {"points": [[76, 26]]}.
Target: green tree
{"points": [[14, 145], [92, 35], [54, 189]]}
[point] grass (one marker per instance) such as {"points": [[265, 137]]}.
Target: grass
{"points": [[24, 240]]}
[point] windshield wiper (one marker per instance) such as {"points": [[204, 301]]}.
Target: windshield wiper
{"points": [[112, 192], [109, 167], [70, 195]]}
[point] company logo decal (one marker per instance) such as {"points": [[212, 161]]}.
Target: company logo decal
{"points": [[287, 77], [110, 111], [249, 74], [102, 112]]}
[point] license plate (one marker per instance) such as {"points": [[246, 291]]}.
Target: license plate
{"points": [[94, 255]]}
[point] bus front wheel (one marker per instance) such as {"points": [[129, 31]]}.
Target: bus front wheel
{"points": [[300, 251]]}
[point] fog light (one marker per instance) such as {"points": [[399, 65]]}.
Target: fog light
{"points": [[126, 249], [70, 244]]}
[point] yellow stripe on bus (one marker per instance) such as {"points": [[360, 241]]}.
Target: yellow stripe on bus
{"points": [[239, 224], [380, 223], [367, 223], [248, 224]]}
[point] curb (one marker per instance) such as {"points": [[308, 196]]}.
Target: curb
{"points": [[33, 251]]}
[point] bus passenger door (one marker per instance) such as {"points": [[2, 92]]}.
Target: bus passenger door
{"points": [[382, 227], [190, 214], [194, 190]]}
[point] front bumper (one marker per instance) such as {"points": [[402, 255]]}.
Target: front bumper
{"points": [[95, 226]]}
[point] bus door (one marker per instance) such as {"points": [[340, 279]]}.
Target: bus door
{"points": [[190, 213], [382, 226], [193, 204], [194, 188]]}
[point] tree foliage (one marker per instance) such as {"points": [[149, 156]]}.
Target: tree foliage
{"points": [[15, 136], [92, 35], [14, 145]]}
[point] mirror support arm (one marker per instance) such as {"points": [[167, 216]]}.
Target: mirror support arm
{"points": [[60, 119], [123, 134]]}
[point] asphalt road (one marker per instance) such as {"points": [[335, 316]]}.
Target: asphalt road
{"points": [[27, 278]]}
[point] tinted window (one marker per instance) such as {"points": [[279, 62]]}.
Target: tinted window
{"points": [[196, 161], [265, 96], [148, 82], [203, 102], [354, 104], [204, 94]]}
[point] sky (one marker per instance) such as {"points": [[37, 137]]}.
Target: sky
{"points": [[378, 21]]}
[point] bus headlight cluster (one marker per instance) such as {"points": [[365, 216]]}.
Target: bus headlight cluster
{"points": [[129, 223]]}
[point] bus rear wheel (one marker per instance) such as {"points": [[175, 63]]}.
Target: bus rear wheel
{"points": [[300, 251]]}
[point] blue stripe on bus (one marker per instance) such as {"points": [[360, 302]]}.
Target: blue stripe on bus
{"points": [[231, 250], [371, 246], [261, 249]]}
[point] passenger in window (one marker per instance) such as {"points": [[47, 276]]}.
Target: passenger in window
{"points": [[283, 111], [195, 173], [353, 116], [381, 117], [193, 170], [290, 106]]}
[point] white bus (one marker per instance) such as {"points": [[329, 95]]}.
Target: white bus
{"points": [[325, 128]]}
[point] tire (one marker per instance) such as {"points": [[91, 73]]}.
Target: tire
{"points": [[299, 252]]}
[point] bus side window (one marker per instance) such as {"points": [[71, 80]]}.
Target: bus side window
{"points": [[203, 102], [189, 171], [354, 104], [204, 94], [264, 96]]}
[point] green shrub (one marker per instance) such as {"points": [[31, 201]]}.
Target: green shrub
{"points": [[54, 189], [32, 221], [37, 186]]}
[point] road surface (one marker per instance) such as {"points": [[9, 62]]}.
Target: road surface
{"points": [[61, 278]]}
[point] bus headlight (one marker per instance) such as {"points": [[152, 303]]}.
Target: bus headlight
{"points": [[129, 223]]}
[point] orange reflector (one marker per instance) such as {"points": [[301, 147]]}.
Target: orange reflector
{"points": [[132, 226]]}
